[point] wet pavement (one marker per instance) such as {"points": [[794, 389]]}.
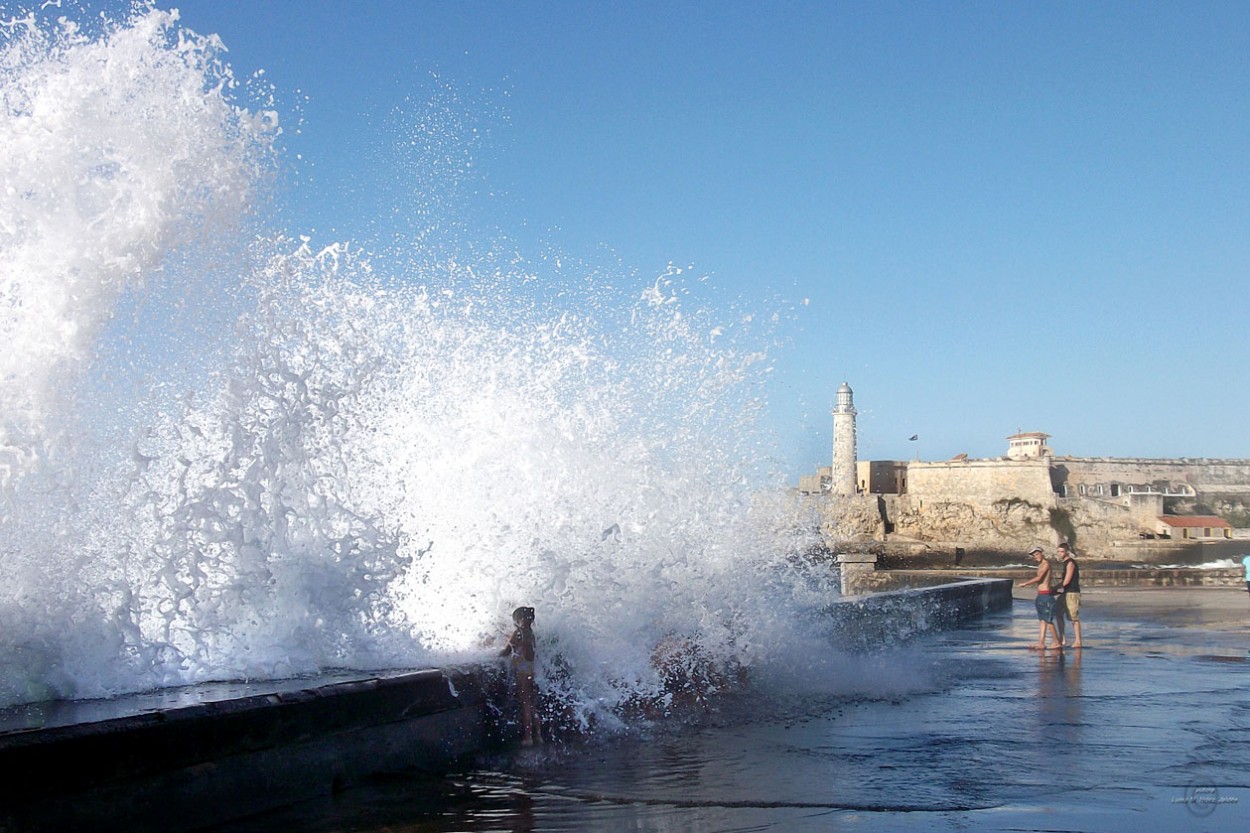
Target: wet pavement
{"points": [[1146, 728]]}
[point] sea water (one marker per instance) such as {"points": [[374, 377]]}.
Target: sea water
{"points": [[228, 452]]}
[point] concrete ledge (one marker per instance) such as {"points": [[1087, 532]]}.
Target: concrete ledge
{"points": [[883, 619], [215, 761], [1115, 576], [190, 758]]}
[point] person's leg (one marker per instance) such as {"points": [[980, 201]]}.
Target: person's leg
{"points": [[537, 727], [1039, 604], [1050, 618], [1073, 603], [525, 693], [1046, 607]]}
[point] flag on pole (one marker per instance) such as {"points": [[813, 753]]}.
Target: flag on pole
{"points": [[913, 438]]}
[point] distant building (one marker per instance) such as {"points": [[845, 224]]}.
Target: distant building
{"points": [[1010, 497], [1028, 446], [1196, 527]]}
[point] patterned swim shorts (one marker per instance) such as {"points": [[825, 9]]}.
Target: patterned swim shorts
{"points": [[1045, 608]]}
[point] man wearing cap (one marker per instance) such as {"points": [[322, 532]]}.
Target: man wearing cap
{"points": [[1045, 601], [1070, 591]]}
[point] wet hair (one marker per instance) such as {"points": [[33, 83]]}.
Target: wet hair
{"points": [[523, 616]]}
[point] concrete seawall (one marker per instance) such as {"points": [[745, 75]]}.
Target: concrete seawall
{"points": [[885, 618], [133, 764], [1093, 576], [188, 758]]}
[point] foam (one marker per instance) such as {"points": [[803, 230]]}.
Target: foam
{"points": [[375, 461]]}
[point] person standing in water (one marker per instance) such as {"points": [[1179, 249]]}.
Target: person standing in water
{"points": [[1070, 590], [1045, 601], [521, 646]]}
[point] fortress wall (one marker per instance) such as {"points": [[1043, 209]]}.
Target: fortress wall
{"points": [[982, 482], [1002, 524], [1008, 504], [1093, 524], [854, 518], [1209, 476]]}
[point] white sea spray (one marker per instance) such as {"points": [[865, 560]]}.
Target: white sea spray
{"points": [[379, 458]]}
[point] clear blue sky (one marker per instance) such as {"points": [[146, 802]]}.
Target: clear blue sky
{"points": [[1000, 216]]}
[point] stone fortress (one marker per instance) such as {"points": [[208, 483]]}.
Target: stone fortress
{"points": [[1104, 506]]}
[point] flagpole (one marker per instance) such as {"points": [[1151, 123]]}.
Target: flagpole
{"points": [[915, 438]]}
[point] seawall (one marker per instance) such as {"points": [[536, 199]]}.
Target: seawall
{"points": [[189, 758], [1102, 577], [141, 764], [886, 618]]}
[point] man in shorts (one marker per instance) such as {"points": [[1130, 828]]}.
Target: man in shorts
{"points": [[1070, 591], [1045, 602]]}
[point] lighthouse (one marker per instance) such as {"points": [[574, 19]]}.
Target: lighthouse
{"points": [[843, 480]]}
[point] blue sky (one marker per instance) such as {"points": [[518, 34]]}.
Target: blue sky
{"points": [[984, 216]]}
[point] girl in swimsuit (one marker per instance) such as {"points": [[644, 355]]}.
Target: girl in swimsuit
{"points": [[521, 646]]}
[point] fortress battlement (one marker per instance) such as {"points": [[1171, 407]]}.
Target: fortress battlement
{"points": [[1032, 494], [1161, 461]]}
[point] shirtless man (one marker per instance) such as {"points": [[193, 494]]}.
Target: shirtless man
{"points": [[1045, 602]]}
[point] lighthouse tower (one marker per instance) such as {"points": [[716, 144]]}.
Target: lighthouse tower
{"points": [[843, 481]]}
